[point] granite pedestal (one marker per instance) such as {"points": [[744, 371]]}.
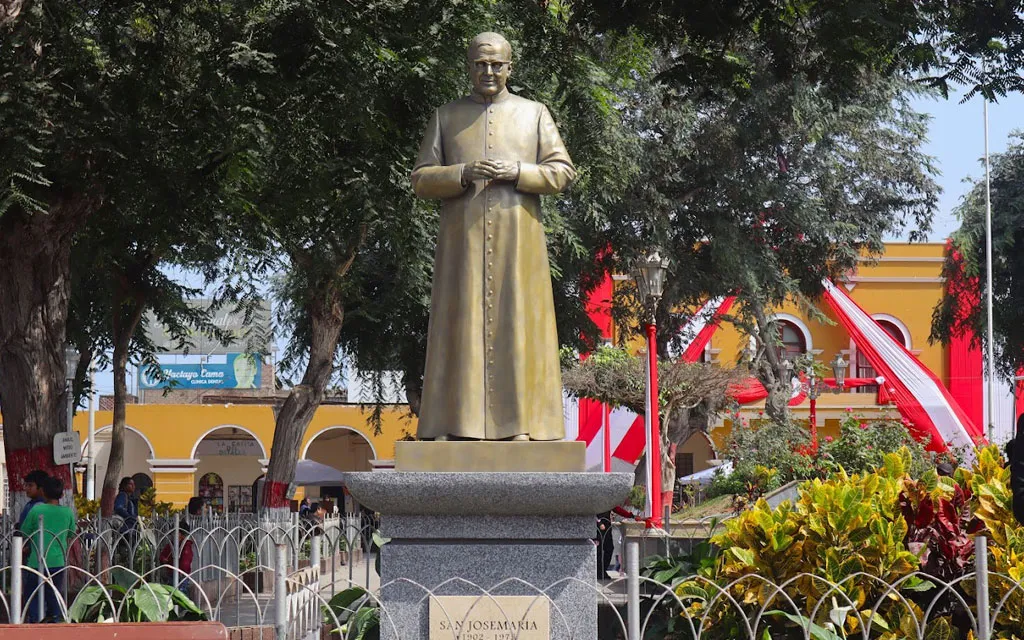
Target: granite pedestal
{"points": [[500, 534]]}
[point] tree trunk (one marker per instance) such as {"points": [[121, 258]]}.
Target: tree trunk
{"points": [[295, 415], [34, 291], [9, 10], [413, 392], [123, 331], [769, 370]]}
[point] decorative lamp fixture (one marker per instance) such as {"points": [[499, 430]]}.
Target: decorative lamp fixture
{"points": [[71, 358], [839, 370], [649, 274]]}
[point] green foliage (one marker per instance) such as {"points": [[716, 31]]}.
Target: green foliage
{"points": [[945, 42], [838, 528], [784, 447], [671, 570], [356, 612], [858, 531], [863, 444], [149, 506], [84, 507], [769, 444], [637, 497], [142, 603]]}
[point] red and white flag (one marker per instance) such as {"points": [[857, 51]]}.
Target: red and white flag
{"points": [[924, 402]]}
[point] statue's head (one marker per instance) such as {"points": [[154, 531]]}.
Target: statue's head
{"points": [[490, 63]]}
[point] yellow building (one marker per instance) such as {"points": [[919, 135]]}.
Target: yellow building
{"points": [[221, 450], [899, 289]]}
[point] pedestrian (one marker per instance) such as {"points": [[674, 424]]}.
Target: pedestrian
{"points": [[314, 518], [186, 553], [304, 507], [1015, 455], [604, 544], [127, 511], [195, 506], [945, 469], [58, 525], [125, 507], [34, 482]]}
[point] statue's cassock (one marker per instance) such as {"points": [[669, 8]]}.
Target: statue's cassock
{"points": [[492, 369]]}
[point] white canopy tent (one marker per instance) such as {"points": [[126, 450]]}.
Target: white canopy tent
{"points": [[308, 472]]}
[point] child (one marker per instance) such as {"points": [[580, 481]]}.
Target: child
{"points": [[58, 525]]}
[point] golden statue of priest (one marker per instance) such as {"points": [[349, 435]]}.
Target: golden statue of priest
{"points": [[492, 370]]}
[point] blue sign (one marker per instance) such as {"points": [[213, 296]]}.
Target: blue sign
{"points": [[242, 371]]}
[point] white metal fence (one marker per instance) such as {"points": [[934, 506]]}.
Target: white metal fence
{"points": [[301, 599]]}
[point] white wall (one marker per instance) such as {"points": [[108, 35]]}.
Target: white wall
{"points": [[136, 454], [342, 449]]}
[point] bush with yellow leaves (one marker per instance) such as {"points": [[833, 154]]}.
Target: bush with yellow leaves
{"points": [[825, 562], [149, 506]]}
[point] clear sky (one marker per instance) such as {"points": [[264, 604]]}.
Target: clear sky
{"points": [[957, 142]]}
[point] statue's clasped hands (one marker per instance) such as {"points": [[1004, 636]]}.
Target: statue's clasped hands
{"points": [[505, 170]]}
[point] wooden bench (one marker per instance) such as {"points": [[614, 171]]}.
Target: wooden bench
{"points": [[120, 631]]}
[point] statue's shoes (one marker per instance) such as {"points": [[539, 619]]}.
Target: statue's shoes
{"points": [[522, 437]]}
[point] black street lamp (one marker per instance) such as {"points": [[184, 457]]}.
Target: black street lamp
{"points": [[649, 274]]}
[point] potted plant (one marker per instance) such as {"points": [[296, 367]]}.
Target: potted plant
{"points": [[252, 576]]}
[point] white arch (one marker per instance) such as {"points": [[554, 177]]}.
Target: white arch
{"points": [[152, 451], [800, 325], [228, 426], [319, 433], [899, 325]]}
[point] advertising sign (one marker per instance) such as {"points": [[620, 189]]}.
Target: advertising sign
{"points": [[241, 371], [249, 332]]}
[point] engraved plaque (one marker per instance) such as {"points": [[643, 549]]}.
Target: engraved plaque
{"points": [[490, 618]]}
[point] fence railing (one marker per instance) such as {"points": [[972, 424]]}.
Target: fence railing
{"points": [[301, 602]]}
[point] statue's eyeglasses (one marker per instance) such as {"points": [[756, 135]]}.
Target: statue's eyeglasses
{"points": [[494, 67]]}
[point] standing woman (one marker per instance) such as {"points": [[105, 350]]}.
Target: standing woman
{"points": [[126, 509]]}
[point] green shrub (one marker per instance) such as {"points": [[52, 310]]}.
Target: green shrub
{"points": [[142, 603], [863, 444]]}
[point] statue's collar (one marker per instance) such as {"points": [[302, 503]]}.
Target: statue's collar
{"points": [[501, 97]]}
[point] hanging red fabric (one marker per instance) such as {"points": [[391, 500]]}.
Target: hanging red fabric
{"points": [[966, 384], [928, 409], [703, 325]]}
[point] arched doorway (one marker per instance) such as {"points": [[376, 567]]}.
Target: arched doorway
{"points": [[211, 490], [345, 449], [142, 483], [229, 459], [135, 463]]}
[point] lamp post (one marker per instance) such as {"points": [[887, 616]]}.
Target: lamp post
{"points": [[90, 469], [649, 275], [816, 386], [71, 358]]}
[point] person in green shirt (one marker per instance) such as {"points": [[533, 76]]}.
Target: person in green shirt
{"points": [[58, 525]]}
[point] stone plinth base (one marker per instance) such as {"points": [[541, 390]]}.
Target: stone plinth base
{"points": [[490, 455], [499, 534]]}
